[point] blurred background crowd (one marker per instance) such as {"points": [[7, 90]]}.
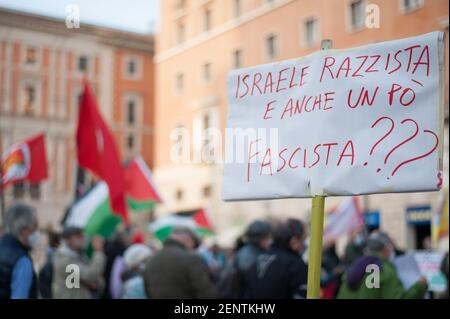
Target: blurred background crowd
{"points": [[269, 260]]}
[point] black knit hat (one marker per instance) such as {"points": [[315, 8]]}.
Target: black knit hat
{"points": [[71, 231], [257, 231]]}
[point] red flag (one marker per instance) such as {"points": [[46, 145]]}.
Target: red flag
{"points": [[139, 182], [97, 151], [26, 160]]}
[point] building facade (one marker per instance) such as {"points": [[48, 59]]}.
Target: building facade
{"points": [[42, 67], [202, 40]]}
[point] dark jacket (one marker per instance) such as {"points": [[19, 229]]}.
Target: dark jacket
{"points": [[234, 280], [444, 270], [113, 249], [352, 252], [176, 273], [46, 277], [11, 250], [276, 274]]}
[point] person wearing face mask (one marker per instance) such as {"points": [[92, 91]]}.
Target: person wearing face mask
{"points": [[379, 253], [71, 252], [135, 257], [17, 277]]}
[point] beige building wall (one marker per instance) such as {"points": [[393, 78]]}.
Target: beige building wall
{"points": [[201, 36], [59, 83]]}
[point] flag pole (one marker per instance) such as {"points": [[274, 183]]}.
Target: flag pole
{"points": [[316, 231], [315, 247]]}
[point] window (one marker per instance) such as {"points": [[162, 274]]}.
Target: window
{"points": [[18, 190], [35, 190], [29, 99], [237, 8], [207, 20], [132, 109], [407, 6], [311, 32], [271, 46], [179, 83], [179, 195], [206, 72], [178, 140], [206, 124], [181, 32], [82, 63], [357, 14], [31, 56], [204, 139], [207, 190], [206, 121], [131, 112], [237, 59], [132, 67], [130, 142]]}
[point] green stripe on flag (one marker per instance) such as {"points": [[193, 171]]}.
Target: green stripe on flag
{"points": [[102, 222], [140, 205], [164, 232], [202, 232]]}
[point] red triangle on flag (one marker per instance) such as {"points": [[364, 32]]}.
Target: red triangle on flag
{"points": [[139, 182], [201, 219]]}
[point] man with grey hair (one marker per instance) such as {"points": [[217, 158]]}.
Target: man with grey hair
{"points": [[362, 281], [17, 277]]}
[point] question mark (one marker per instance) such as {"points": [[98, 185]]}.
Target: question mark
{"points": [[405, 141], [420, 156], [383, 137], [440, 180]]}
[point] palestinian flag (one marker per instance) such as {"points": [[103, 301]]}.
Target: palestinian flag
{"points": [[139, 185], [97, 151], [196, 220], [93, 211]]}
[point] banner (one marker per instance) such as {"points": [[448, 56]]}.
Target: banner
{"points": [[24, 161], [338, 122]]}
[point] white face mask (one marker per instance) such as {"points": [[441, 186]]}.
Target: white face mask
{"points": [[33, 239]]}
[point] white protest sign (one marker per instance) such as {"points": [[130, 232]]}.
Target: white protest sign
{"points": [[429, 263], [337, 122]]}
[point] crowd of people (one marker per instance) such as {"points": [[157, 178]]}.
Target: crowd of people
{"points": [[268, 261]]}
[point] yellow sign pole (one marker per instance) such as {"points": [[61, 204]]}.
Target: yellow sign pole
{"points": [[315, 247], [316, 231]]}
